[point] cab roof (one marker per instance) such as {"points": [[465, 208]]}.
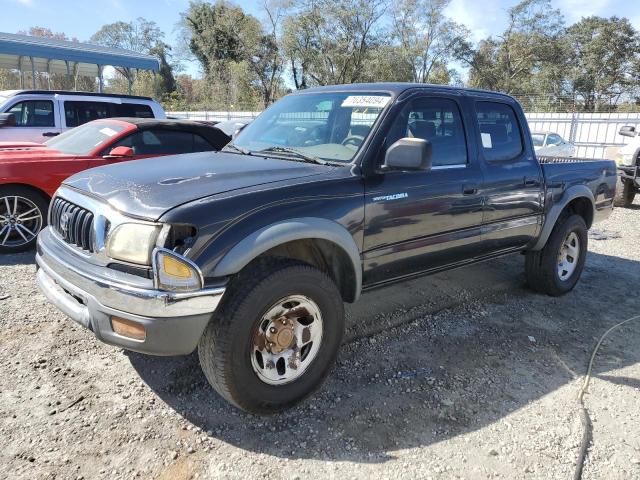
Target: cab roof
{"points": [[397, 88]]}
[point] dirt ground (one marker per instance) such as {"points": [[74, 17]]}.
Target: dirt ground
{"points": [[466, 374]]}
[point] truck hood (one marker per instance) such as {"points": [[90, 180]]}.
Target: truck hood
{"points": [[148, 188]]}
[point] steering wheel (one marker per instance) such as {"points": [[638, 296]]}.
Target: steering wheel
{"points": [[355, 140]]}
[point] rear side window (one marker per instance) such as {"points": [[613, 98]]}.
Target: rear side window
{"points": [[137, 110], [78, 113], [499, 131], [33, 113], [200, 144], [158, 142]]}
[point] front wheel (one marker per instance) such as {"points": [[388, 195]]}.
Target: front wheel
{"points": [[23, 213], [556, 268], [275, 337]]}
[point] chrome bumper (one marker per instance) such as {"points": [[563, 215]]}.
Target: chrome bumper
{"points": [[90, 295]]}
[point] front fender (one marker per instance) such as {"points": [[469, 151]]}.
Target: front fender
{"points": [[576, 191], [285, 231]]}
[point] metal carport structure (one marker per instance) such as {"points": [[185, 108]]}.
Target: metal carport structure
{"points": [[41, 54]]}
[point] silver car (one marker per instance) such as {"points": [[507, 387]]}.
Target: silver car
{"points": [[551, 144]]}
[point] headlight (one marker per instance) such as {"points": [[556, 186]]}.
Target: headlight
{"points": [[133, 242], [625, 159], [176, 273]]}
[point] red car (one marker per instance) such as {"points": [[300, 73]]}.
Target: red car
{"points": [[31, 173]]}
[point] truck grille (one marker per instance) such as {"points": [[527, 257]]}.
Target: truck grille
{"points": [[73, 223]]}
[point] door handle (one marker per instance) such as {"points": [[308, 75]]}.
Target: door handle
{"points": [[531, 182], [469, 189], [50, 134]]}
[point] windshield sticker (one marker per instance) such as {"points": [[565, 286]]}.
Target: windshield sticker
{"points": [[395, 196], [376, 101], [109, 132], [486, 140]]}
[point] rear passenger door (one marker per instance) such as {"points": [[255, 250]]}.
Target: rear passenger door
{"points": [[417, 221], [78, 112], [512, 178]]}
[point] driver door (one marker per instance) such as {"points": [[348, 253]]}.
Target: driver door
{"points": [[417, 221]]}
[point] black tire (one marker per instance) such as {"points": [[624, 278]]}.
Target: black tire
{"points": [[541, 266], [225, 348], [625, 193], [15, 243]]}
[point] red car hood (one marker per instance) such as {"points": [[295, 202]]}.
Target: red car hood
{"points": [[29, 153]]}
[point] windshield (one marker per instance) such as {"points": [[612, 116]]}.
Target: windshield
{"points": [[538, 139], [84, 139], [330, 126]]}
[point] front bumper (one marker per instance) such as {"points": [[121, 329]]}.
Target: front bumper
{"points": [[91, 294], [631, 174]]}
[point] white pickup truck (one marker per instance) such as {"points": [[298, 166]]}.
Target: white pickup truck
{"points": [[38, 115]]}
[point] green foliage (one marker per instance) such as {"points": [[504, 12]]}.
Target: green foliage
{"points": [[249, 61], [332, 41], [142, 36], [604, 64]]}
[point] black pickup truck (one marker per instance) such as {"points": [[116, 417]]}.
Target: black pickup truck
{"points": [[249, 253]]}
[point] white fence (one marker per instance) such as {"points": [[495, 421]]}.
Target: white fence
{"points": [[591, 133]]}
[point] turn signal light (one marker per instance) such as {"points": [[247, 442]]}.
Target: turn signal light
{"points": [[128, 328]]}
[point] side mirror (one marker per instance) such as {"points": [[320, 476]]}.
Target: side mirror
{"points": [[120, 152], [408, 154], [627, 131], [7, 120]]}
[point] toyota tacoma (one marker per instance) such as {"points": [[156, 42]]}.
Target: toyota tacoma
{"points": [[248, 254]]}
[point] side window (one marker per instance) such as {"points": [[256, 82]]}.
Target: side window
{"points": [[200, 144], [78, 113], [158, 142], [33, 113], [437, 120], [554, 139], [499, 131], [134, 110]]}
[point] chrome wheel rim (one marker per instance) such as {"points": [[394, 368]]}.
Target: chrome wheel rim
{"points": [[20, 221], [568, 256], [286, 340]]}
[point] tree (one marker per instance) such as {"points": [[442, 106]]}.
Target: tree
{"points": [[330, 42], [237, 54], [142, 36], [428, 40], [529, 45], [604, 66]]}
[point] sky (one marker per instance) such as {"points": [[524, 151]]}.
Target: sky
{"points": [[81, 19]]}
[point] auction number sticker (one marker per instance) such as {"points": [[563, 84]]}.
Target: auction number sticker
{"points": [[375, 101], [109, 132]]}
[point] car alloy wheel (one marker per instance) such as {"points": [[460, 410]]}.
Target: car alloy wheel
{"points": [[20, 221]]}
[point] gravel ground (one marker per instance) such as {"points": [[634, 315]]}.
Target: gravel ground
{"points": [[466, 374]]}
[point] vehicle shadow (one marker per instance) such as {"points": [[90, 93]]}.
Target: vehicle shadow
{"points": [[24, 258], [426, 361]]}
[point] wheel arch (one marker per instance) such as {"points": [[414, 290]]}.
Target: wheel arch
{"points": [[27, 186], [319, 242], [577, 199]]}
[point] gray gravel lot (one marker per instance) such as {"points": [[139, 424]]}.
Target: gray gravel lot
{"points": [[466, 374]]}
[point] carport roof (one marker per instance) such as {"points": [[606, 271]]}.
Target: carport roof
{"points": [[50, 55]]}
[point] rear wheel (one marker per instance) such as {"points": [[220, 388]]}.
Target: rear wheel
{"points": [[556, 268], [275, 337], [625, 193], [23, 213]]}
